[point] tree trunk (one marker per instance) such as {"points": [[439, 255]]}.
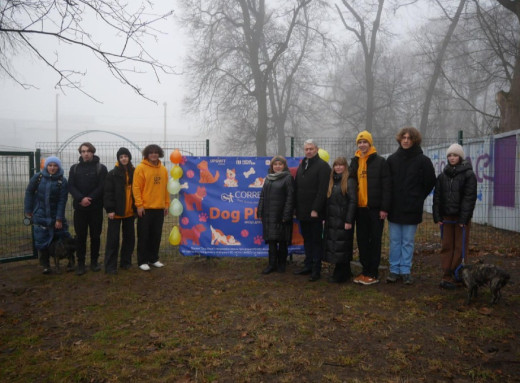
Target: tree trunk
{"points": [[423, 127]]}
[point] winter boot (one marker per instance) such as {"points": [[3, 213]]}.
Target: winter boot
{"points": [[44, 261], [80, 270], [94, 266], [272, 264]]}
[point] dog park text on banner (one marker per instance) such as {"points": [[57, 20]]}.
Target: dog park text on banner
{"points": [[220, 198]]}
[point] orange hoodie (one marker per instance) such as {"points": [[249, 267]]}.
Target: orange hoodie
{"points": [[149, 186], [362, 176]]}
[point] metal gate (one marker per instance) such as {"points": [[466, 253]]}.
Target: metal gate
{"points": [[16, 169]]}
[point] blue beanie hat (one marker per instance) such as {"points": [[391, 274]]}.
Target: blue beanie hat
{"points": [[48, 160]]}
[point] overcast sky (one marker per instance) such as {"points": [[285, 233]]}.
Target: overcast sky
{"points": [[29, 116]]}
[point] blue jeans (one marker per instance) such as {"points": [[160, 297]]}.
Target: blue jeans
{"points": [[401, 247]]}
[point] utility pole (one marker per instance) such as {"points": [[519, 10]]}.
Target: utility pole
{"points": [[57, 121], [164, 104]]}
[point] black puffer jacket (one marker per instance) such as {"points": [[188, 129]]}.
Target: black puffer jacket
{"points": [[378, 180], [276, 206], [87, 179], [413, 178], [341, 209], [311, 186], [114, 196], [455, 193]]}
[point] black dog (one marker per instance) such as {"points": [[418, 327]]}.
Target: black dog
{"points": [[482, 274], [63, 248]]}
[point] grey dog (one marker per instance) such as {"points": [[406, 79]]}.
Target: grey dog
{"points": [[482, 274], [63, 248]]}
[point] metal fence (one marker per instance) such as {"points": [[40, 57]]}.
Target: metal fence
{"points": [[16, 168], [496, 225]]}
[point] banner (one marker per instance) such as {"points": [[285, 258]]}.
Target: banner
{"points": [[220, 199]]}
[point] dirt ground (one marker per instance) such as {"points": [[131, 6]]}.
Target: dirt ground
{"points": [[220, 320]]}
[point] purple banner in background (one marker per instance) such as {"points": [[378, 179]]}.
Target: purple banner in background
{"points": [[220, 198]]}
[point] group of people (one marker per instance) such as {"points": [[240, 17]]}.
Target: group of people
{"points": [[330, 203], [125, 192]]}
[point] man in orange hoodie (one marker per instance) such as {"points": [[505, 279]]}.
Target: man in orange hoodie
{"points": [[151, 200], [374, 197]]}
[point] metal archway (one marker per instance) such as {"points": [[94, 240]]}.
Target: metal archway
{"points": [[72, 138]]}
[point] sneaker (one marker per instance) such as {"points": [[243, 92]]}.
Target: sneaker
{"points": [[80, 270], [144, 267], [157, 264], [392, 278], [368, 281], [407, 279], [95, 267], [358, 279], [47, 270]]}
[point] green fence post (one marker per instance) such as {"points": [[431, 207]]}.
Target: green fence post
{"points": [[292, 146], [36, 163], [207, 146], [460, 138]]}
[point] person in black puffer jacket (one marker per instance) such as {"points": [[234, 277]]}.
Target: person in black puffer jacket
{"points": [[413, 178], [311, 183], [341, 211], [275, 209], [120, 208], [454, 200]]}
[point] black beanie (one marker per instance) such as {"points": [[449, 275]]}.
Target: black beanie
{"points": [[124, 151]]}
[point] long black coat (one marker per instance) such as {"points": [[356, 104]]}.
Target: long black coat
{"points": [[455, 193], [276, 206], [413, 178], [86, 179], [341, 209], [114, 196], [311, 186], [378, 181]]}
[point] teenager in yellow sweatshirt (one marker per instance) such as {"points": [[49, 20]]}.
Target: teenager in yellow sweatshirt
{"points": [[152, 200]]}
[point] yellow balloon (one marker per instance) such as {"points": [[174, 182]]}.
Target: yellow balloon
{"points": [[175, 236], [324, 155], [176, 172]]}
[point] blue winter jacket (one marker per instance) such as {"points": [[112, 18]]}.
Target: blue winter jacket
{"points": [[46, 201]]}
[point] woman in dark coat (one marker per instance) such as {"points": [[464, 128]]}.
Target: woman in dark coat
{"points": [[341, 211], [119, 205], [413, 177], [453, 204], [45, 201], [275, 209]]}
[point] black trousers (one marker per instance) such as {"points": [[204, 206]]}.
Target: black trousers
{"points": [[369, 232], [127, 244], [85, 221], [149, 233], [313, 245]]}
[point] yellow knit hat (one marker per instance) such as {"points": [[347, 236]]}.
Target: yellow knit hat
{"points": [[365, 135]]}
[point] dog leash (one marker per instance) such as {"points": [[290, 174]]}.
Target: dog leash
{"points": [[457, 270]]}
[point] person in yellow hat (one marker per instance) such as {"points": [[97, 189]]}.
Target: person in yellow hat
{"points": [[374, 198]]}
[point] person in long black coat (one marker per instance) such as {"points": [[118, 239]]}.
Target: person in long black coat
{"points": [[311, 183], [339, 222], [275, 209], [120, 207], [454, 200], [413, 178]]}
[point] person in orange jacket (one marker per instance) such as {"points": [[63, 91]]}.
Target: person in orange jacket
{"points": [[151, 200]]}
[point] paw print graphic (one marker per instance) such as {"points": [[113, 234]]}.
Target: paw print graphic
{"points": [[185, 221], [258, 240], [244, 233], [203, 217]]}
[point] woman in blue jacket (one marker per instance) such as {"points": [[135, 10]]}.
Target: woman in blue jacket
{"points": [[45, 201]]}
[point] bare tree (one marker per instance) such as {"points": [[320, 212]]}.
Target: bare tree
{"points": [[509, 102], [437, 68], [367, 37], [234, 56], [25, 24]]}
